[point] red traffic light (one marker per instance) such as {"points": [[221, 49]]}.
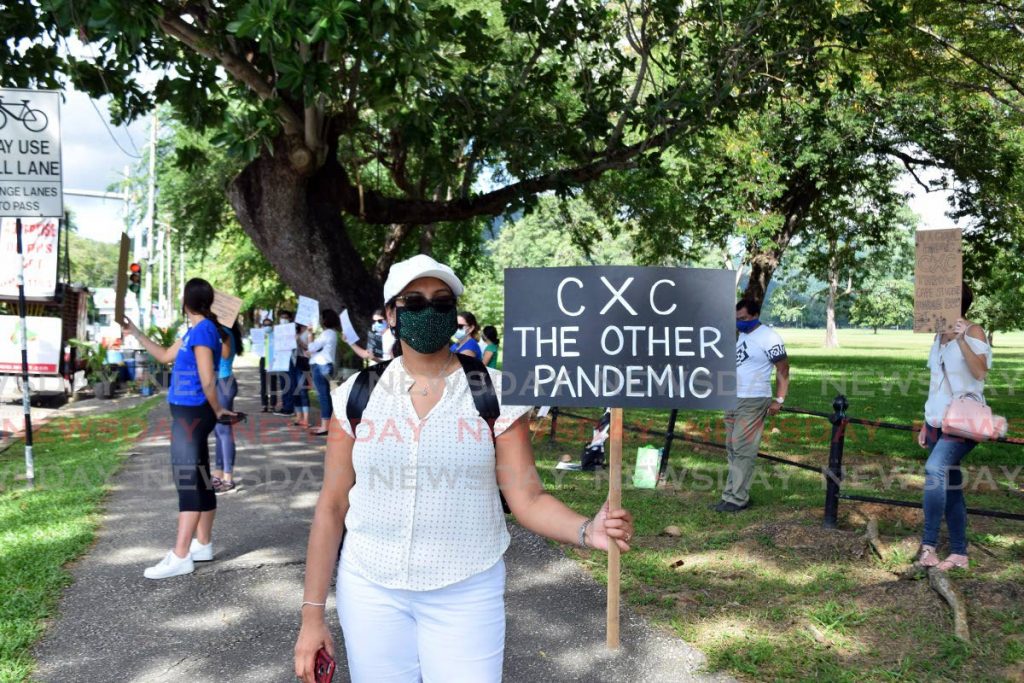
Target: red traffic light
{"points": [[135, 268]]}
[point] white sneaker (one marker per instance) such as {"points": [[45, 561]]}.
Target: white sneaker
{"points": [[200, 552], [171, 565]]}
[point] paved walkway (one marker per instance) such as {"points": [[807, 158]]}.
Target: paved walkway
{"points": [[236, 619]]}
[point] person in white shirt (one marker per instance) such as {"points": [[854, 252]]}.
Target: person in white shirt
{"points": [[959, 362], [414, 492], [759, 350], [322, 352]]}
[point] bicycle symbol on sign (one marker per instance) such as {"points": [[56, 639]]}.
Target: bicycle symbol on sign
{"points": [[33, 119]]}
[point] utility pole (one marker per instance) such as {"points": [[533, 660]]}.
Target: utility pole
{"points": [[146, 303]]}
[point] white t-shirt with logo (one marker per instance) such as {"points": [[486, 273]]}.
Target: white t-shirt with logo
{"points": [[757, 353]]}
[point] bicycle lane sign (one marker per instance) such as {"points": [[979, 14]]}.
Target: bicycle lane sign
{"points": [[31, 180]]}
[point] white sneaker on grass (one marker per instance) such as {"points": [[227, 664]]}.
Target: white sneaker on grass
{"points": [[200, 552], [171, 565]]}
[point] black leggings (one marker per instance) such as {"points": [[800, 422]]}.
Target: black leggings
{"points": [[190, 456]]}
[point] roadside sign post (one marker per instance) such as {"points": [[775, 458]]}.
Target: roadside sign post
{"points": [[619, 336], [31, 185]]}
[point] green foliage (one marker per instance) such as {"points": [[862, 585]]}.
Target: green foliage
{"points": [[94, 357], [557, 233], [888, 303], [93, 263], [46, 529]]}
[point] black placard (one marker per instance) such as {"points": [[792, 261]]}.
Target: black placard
{"points": [[622, 336]]}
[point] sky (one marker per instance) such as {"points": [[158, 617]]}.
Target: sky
{"points": [[93, 160]]}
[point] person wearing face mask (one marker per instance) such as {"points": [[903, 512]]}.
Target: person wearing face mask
{"points": [[375, 340], [466, 336], [268, 382], [285, 384], [421, 575], [759, 350]]}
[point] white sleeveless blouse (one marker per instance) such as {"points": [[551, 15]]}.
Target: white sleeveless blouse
{"points": [[424, 512], [961, 381]]}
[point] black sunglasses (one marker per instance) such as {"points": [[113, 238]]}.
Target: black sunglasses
{"points": [[414, 302]]}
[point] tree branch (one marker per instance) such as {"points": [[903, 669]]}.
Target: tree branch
{"points": [[1013, 83], [176, 27]]}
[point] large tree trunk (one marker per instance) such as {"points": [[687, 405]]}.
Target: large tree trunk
{"points": [[831, 333], [297, 222]]}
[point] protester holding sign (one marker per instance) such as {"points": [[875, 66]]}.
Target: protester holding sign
{"points": [[322, 351], [421, 579], [285, 343], [227, 390], [759, 350], [959, 362], [299, 375], [195, 410], [268, 381]]}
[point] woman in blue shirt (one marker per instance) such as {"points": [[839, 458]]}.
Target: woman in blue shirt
{"points": [[195, 409], [227, 389], [466, 336]]}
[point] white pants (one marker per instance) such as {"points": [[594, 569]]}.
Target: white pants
{"points": [[454, 634]]}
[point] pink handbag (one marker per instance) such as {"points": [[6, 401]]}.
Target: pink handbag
{"points": [[970, 418]]}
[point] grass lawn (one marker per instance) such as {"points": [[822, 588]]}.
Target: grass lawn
{"points": [[43, 530], [768, 594]]}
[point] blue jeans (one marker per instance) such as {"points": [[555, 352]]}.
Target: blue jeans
{"points": [[944, 489], [322, 382], [227, 389], [300, 383]]}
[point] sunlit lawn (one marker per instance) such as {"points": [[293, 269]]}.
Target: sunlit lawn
{"points": [[44, 529], [768, 594]]}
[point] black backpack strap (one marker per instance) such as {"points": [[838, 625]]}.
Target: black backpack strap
{"points": [[364, 383], [485, 398]]}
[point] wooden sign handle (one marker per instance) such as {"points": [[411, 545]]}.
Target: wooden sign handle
{"points": [[614, 503]]}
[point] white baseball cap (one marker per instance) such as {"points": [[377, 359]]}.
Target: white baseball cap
{"points": [[421, 265]]}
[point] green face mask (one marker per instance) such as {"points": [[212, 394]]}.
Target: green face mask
{"points": [[428, 330]]}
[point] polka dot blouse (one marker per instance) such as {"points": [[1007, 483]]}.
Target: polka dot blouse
{"points": [[424, 512]]}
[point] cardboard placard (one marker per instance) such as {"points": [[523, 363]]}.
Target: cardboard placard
{"points": [[620, 336], [308, 311], [226, 308], [121, 284], [938, 274]]}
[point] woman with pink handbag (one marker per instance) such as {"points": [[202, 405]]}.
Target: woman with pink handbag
{"points": [[959, 362]]}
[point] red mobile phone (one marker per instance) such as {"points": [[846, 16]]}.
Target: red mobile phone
{"points": [[323, 668]]}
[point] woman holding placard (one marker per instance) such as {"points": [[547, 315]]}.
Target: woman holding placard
{"points": [[959, 362], [195, 409], [421, 575], [322, 352]]}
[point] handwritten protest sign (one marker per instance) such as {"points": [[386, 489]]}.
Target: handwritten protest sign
{"points": [[620, 336], [308, 311], [347, 330], [226, 308], [938, 274], [284, 342], [258, 336]]}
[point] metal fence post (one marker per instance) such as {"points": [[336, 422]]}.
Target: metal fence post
{"points": [[834, 473], [554, 423], [670, 434]]}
